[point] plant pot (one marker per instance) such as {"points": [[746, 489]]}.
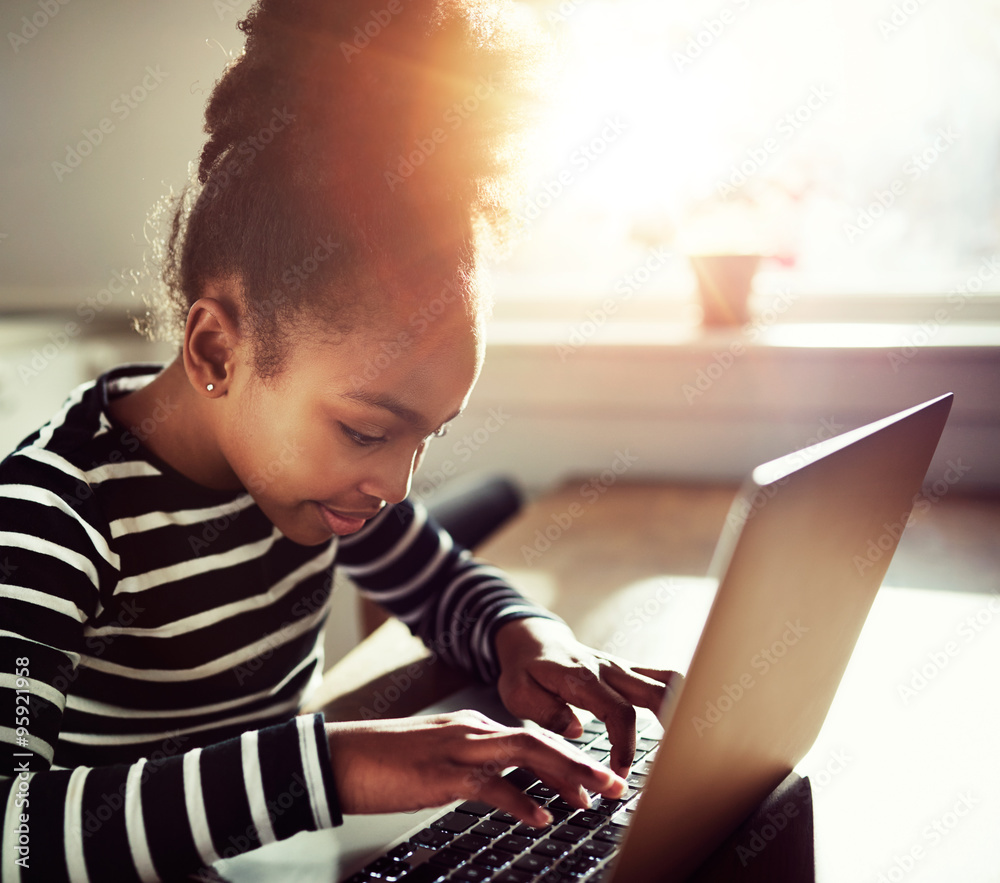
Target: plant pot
{"points": [[724, 282]]}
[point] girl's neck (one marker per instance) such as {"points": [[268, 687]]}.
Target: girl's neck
{"points": [[174, 422]]}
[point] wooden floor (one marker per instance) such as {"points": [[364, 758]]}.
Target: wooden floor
{"points": [[586, 547], [596, 559]]}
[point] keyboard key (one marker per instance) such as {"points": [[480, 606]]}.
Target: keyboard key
{"points": [[550, 848], [471, 874], [475, 808], [535, 833], [431, 837], [425, 873], [607, 806], [599, 848], [569, 833], [490, 829], [512, 876], [610, 834], [579, 863], [513, 844], [561, 805], [588, 819], [646, 744], [455, 822], [505, 818], [594, 726], [388, 869], [598, 755], [542, 791], [521, 778], [492, 858], [533, 863], [404, 850], [471, 843], [449, 858]]}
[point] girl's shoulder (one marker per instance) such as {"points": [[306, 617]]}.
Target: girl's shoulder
{"points": [[81, 435]]}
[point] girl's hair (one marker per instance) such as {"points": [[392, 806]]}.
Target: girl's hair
{"points": [[354, 148]]}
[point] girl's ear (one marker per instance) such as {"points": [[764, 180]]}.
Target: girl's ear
{"points": [[211, 342]]}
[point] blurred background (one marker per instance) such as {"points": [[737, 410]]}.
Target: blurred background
{"points": [[832, 166]]}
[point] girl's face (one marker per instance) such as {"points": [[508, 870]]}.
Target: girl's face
{"points": [[339, 433]]}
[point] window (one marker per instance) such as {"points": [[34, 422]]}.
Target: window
{"points": [[855, 144]]}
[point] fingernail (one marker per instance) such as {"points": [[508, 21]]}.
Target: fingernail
{"points": [[545, 816], [584, 797]]}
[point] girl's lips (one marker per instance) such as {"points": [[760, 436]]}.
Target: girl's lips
{"points": [[340, 524]]}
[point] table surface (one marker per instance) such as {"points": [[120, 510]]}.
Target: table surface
{"points": [[904, 775]]}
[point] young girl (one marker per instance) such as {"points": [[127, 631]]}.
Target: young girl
{"points": [[168, 537]]}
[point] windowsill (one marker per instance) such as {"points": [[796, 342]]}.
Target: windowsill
{"points": [[815, 335]]}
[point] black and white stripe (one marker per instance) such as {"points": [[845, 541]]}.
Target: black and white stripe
{"points": [[172, 634]]}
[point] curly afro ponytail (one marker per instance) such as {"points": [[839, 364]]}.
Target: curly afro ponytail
{"points": [[352, 154]]}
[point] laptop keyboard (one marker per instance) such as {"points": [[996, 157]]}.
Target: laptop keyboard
{"points": [[474, 841]]}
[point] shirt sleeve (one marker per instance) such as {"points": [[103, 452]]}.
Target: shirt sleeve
{"points": [[168, 813], [406, 562]]}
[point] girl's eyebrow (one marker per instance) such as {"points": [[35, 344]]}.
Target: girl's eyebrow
{"points": [[394, 406]]}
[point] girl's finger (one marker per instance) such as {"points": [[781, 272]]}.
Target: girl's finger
{"points": [[559, 764], [535, 702], [638, 687], [505, 796]]}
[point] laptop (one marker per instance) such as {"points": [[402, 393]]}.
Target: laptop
{"points": [[804, 549]]}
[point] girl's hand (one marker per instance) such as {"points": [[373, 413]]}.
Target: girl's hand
{"points": [[544, 669], [417, 762]]}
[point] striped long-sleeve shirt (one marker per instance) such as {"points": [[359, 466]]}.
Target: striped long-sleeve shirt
{"points": [[158, 639]]}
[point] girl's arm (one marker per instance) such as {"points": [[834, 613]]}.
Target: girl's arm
{"points": [[179, 809], [406, 562]]}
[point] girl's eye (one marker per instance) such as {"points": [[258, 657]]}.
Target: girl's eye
{"points": [[359, 438]]}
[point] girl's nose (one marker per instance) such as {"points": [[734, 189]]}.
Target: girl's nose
{"points": [[390, 479]]}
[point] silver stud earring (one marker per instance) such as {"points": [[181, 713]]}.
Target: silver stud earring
{"points": [[210, 387]]}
